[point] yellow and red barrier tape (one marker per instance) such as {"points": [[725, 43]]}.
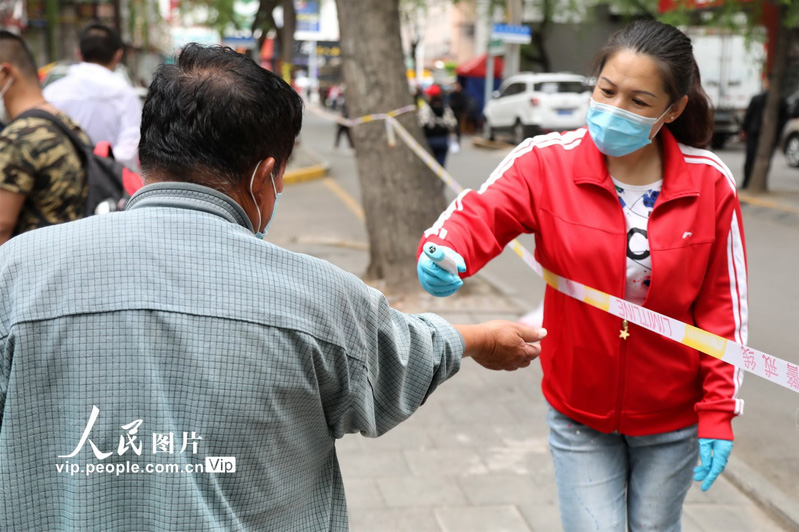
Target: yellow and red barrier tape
{"points": [[746, 358]]}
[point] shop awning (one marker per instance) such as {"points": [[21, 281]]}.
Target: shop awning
{"points": [[476, 67]]}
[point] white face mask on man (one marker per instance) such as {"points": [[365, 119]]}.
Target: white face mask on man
{"points": [[258, 233], [5, 88]]}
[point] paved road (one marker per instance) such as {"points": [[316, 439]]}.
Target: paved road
{"points": [[768, 434]]}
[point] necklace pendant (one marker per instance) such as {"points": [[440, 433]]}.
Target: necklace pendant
{"points": [[624, 333]]}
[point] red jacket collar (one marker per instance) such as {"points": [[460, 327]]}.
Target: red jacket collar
{"points": [[590, 167]]}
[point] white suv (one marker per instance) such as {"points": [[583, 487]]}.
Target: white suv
{"points": [[528, 104], [790, 142]]}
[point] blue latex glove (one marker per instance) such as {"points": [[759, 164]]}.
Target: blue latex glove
{"points": [[436, 270], [713, 455]]}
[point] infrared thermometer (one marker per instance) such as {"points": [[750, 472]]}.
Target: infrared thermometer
{"points": [[438, 256]]}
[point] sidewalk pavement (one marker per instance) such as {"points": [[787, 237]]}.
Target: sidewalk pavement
{"points": [[475, 456]]}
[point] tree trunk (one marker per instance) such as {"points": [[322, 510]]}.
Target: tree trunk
{"points": [[768, 128], [287, 39], [264, 20], [541, 57], [401, 196]]}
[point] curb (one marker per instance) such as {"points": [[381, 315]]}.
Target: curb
{"points": [[307, 173], [765, 203], [480, 142], [760, 491]]}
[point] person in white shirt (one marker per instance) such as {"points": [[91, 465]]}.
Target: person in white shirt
{"points": [[104, 104]]}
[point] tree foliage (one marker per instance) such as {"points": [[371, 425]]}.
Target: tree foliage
{"points": [[222, 17], [221, 14]]}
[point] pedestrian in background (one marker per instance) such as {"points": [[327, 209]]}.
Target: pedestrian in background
{"points": [[438, 123], [333, 95], [633, 206], [341, 127], [752, 125], [99, 100], [418, 96], [259, 357], [458, 101], [42, 179]]}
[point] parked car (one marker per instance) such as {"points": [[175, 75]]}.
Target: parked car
{"points": [[792, 105], [528, 104], [790, 142]]}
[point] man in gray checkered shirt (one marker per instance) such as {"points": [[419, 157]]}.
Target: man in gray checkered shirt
{"points": [[164, 369]]}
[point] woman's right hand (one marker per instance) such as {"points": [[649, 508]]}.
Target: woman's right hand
{"points": [[436, 270]]}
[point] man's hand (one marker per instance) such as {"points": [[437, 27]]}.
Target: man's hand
{"points": [[501, 345]]}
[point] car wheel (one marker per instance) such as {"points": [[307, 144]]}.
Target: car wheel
{"points": [[488, 131], [718, 141], [518, 132], [792, 150]]}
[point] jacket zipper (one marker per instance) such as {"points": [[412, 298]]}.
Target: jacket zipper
{"points": [[623, 333], [622, 379], [623, 330], [624, 326]]}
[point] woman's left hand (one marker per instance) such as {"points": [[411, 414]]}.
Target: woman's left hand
{"points": [[713, 454]]}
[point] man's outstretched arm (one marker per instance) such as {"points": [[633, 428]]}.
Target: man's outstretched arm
{"points": [[501, 345], [412, 355]]}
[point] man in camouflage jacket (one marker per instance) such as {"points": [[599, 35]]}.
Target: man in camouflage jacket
{"points": [[42, 179]]}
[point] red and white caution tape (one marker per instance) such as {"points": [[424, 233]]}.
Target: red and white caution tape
{"points": [[762, 364]]}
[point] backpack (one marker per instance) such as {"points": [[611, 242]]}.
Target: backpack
{"points": [[110, 182]]}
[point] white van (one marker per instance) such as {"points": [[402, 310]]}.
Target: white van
{"points": [[731, 70]]}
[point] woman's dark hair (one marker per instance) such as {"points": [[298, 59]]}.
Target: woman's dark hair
{"points": [[672, 51], [210, 118]]}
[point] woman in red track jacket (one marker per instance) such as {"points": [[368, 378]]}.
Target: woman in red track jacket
{"points": [[639, 211]]}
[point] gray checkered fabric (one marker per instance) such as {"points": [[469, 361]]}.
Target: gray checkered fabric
{"points": [[169, 336]]}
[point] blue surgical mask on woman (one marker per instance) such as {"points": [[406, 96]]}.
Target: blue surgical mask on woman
{"points": [[259, 234], [617, 132]]}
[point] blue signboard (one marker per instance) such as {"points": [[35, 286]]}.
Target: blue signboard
{"points": [[307, 15], [512, 33]]}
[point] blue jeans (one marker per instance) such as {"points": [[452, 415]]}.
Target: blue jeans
{"points": [[439, 146], [609, 482]]}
